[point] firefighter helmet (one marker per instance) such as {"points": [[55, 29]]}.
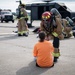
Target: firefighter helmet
{"points": [[23, 5], [46, 15]]}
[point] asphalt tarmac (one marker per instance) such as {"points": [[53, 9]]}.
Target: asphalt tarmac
{"points": [[16, 53]]}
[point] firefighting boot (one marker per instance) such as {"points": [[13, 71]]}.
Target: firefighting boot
{"points": [[55, 59], [24, 34], [19, 34], [56, 56], [74, 34]]}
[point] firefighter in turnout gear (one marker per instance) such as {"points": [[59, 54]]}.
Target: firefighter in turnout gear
{"points": [[67, 24], [67, 31], [22, 21], [52, 26]]}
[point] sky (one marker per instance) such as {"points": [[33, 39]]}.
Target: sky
{"points": [[12, 4]]}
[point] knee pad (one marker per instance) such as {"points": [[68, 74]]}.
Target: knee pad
{"points": [[56, 42]]}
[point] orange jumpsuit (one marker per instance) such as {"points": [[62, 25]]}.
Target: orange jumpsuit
{"points": [[43, 51]]}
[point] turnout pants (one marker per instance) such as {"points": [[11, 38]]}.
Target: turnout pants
{"points": [[22, 26]]}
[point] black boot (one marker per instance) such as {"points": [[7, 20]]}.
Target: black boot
{"points": [[19, 35], [24, 34], [55, 59], [74, 34]]}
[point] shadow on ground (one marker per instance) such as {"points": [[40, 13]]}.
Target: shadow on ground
{"points": [[31, 69]]}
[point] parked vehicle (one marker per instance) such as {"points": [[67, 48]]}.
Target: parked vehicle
{"points": [[6, 15]]}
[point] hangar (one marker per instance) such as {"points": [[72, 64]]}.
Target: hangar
{"points": [[38, 8]]}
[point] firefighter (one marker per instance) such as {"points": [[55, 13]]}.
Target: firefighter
{"points": [[67, 31], [68, 27], [67, 24], [70, 21], [52, 26], [22, 21]]}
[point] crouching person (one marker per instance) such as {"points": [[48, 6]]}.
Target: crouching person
{"points": [[43, 52], [51, 24]]}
